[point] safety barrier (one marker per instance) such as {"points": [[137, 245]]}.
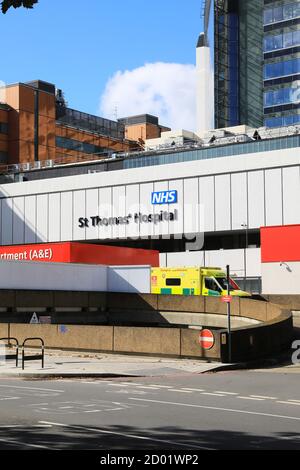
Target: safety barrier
{"points": [[35, 357], [11, 356]]}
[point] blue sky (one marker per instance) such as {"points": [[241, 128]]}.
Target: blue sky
{"points": [[80, 49]]}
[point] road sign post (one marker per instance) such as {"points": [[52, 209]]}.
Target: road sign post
{"points": [[228, 312]]}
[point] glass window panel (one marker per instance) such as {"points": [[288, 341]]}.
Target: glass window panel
{"points": [[268, 16], [278, 14], [3, 128], [268, 71], [268, 43], [286, 95], [296, 9], [295, 65], [288, 11], [288, 39], [268, 98], [288, 67], [287, 120], [277, 97], [295, 94], [278, 69], [273, 122], [296, 37], [277, 41]]}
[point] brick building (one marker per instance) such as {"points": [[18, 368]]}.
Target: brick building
{"points": [[37, 125]]}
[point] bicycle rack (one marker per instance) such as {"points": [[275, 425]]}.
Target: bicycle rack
{"points": [[11, 356], [35, 357]]}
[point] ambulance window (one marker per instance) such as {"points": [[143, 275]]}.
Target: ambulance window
{"points": [[223, 283], [211, 284], [173, 281]]}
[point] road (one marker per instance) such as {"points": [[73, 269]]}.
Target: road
{"points": [[227, 410]]}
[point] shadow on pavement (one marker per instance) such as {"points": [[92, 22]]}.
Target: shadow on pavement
{"points": [[114, 438]]}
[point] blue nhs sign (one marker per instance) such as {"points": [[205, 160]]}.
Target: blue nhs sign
{"points": [[164, 197]]}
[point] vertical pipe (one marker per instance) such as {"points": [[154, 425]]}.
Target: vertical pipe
{"points": [[228, 313], [36, 125]]}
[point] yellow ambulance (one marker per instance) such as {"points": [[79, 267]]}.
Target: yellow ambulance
{"points": [[193, 281]]}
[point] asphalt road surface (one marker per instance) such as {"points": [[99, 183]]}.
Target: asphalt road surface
{"points": [[228, 410]]}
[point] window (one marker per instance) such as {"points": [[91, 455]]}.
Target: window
{"points": [[89, 122], [3, 128], [3, 157], [296, 37], [79, 146], [288, 120], [228, 150], [268, 98], [282, 96], [281, 13], [280, 41], [273, 70], [268, 16], [210, 284], [289, 67], [296, 10], [279, 121], [288, 12], [274, 122], [268, 43], [288, 39], [173, 281], [277, 14], [281, 69]]}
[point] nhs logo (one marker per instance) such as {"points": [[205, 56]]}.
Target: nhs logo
{"points": [[164, 197]]}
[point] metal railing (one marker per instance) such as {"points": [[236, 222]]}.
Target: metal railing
{"points": [[33, 357], [11, 356], [44, 164], [61, 159]]}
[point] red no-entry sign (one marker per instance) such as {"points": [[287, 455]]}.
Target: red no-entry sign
{"points": [[226, 298], [206, 339]]}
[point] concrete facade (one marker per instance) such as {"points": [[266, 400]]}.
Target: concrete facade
{"points": [[281, 278], [74, 277], [243, 263], [272, 334], [214, 196]]}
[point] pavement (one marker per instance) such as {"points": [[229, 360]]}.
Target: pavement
{"points": [[84, 364], [59, 364]]}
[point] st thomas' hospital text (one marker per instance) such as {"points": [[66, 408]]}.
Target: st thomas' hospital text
{"points": [[138, 218]]}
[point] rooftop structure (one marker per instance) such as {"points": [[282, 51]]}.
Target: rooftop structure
{"points": [[240, 140]]}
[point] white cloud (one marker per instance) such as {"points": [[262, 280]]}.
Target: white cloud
{"points": [[164, 89]]}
